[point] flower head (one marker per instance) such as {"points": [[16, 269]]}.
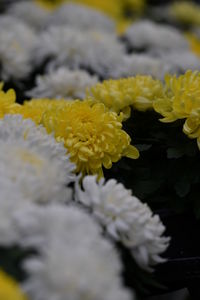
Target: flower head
{"points": [[29, 12], [34, 161], [146, 34], [92, 135], [9, 289], [125, 218], [63, 83], [74, 261], [186, 12], [16, 44], [82, 17], [119, 95], [182, 96], [94, 50]]}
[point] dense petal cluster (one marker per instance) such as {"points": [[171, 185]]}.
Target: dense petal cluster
{"points": [[81, 17], [92, 135], [45, 169], [9, 289], [74, 261], [30, 13], [182, 101], [125, 218], [118, 95], [17, 40], [7, 101], [63, 83], [67, 46], [151, 36]]}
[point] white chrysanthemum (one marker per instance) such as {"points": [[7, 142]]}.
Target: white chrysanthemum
{"points": [[81, 17], [30, 13], [146, 34], [11, 200], [97, 51], [125, 218], [74, 260], [34, 161], [16, 43], [181, 60], [146, 65], [63, 83]]}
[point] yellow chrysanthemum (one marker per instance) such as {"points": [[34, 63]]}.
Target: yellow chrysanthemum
{"points": [[182, 96], [194, 43], [7, 101], [9, 289], [119, 95], [92, 135], [186, 12], [35, 108]]}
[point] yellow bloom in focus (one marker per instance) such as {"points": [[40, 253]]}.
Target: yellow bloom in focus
{"points": [[92, 135], [7, 101], [35, 108], [186, 12], [182, 96], [9, 289], [194, 43], [118, 95]]}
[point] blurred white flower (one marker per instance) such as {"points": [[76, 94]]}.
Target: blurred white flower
{"points": [[151, 36], [181, 60], [99, 52], [16, 44], [125, 218], [63, 83], [29, 12], [34, 161], [143, 64], [81, 17], [74, 260]]}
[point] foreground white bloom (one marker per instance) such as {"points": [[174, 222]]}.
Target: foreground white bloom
{"points": [[74, 260], [16, 43], [34, 161], [29, 12], [135, 64], [152, 36], [81, 17], [97, 51], [63, 83], [125, 218], [11, 200]]}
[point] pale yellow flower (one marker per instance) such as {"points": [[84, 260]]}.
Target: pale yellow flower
{"points": [[186, 12], [92, 135], [119, 95], [7, 101], [9, 289]]}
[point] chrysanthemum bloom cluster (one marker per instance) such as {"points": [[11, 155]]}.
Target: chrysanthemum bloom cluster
{"points": [[67, 46], [7, 101], [45, 169], [92, 135], [186, 12], [30, 13], [74, 261], [17, 40], [119, 95], [155, 37], [182, 101], [125, 219], [9, 289], [81, 17], [63, 83]]}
